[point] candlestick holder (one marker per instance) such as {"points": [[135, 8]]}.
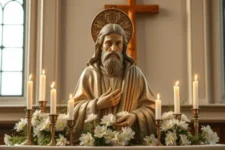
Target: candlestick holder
{"points": [[28, 116], [53, 119], [195, 114], [177, 116], [70, 124], [42, 105], [158, 124]]}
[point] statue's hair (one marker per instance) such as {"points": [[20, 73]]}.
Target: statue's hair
{"points": [[106, 30]]}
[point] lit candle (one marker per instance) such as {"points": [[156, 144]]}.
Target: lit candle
{"points": [[195, 93], [158, 108], [29, 93], [70, 107], [42, 86], [53, 99], [176, 90]]}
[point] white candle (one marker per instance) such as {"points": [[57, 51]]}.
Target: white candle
{"points": [[195, 93], [42, 86], [29, 93], [176, 90], [53, 99], [70, 107], [158, 108]]}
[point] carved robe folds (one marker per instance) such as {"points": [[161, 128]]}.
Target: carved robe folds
{"points": [[136, 97]]}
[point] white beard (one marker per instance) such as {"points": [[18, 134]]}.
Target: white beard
{"points": [[112, 62]]}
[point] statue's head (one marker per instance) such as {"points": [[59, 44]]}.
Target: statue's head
{"points": [[111, 30], [111, 44]]}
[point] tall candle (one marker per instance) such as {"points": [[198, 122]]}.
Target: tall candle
{"points": [[176, 90], [42, 86], [53, 99], [195, 93], [29, 93], [70, 107], [158, 107]]}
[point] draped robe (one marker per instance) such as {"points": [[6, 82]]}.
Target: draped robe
{"points": [[136, 97]]}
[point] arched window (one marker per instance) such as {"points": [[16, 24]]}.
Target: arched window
{"points": [[12, 41]]}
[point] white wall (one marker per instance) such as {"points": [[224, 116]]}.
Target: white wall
{"points": [[161, 44]]}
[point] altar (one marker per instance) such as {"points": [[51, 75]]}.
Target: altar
{"points": [[191, 147]]}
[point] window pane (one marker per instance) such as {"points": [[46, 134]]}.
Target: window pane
{"points": [[0, 60], [11, 83], [13, 13], [0, 14], [0, 35], [3, 2], [12, 59], [13, 36]]}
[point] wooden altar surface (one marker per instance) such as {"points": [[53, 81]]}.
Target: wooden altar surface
{"points": [[192, 147]]}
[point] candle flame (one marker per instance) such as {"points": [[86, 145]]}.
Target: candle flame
{"points": [[43, 71], [70, 97], [158, 96], [53, 84], [30, 77], [177, 83], [196, 77]]}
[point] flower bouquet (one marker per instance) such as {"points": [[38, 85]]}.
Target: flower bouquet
{"points": [[104, 133], [40, 130], [177, 132]]}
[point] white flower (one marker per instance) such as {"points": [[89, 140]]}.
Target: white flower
{"points": [[184, 140], [183, 125], [87, 140], [35, 122], [184, 118], [35, 118], [20, 125], [167, 115], [168, 124], [45, 125], [206, 129], [108, 120], [100, 131], [127, 133], [122, 113], [38, 117], [7, 140], [119, 140], [213, 138], [91, 117], [62, 141], [209, 135], [171, 138], [109, 136], [151, 140], [37, 131], [61, 122]]}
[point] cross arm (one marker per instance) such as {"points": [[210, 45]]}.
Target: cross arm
{"points": [[124, 8], [153, 9]]}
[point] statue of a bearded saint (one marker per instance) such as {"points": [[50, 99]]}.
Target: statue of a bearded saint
{"points": [[112, 83]]}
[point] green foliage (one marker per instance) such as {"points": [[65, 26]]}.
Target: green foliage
{"points": [[17, 139]]}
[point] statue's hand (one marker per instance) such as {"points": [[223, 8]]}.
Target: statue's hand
{"points": [[109, 99], [127, 120]]}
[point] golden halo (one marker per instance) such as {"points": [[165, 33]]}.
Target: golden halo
{"points": [[115, 16]]}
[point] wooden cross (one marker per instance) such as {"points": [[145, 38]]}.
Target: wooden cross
{"points": [[131, 9]]}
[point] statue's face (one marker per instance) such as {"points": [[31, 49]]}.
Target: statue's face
{"points": [[112, 42], [111, 56]]}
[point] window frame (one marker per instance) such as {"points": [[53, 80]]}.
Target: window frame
{"points": [[217, 51], [29, 28]]}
